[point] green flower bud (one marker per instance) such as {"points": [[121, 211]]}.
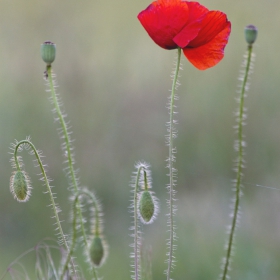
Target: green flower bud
{"points": [[48, 50], [146, 207], [97, 250], [251, 33], [20, 186]]}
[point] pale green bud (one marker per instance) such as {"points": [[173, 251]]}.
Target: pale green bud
{"points": [[146, 206], [20, 186], [251, 33], [48, 50], [97, 250]]}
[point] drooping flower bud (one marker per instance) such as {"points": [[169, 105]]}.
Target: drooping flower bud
{"points": [[97, 250], [20, 186], [48, 50], [251, 33], [147, 207]]}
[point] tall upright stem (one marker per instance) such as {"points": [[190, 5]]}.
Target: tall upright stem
{"points": [[239, 147], [136, 237], [171, 158], [67, 148]]}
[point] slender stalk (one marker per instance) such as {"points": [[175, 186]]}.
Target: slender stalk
{"points": [[63, 239], [136, 241], [73, 243], [74, 237], [68, 148], [14, 262], [171, 159], [240, 148]]}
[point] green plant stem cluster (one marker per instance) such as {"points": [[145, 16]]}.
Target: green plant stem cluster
{"points": [[94, 246], [145, 209], [62, 240]]}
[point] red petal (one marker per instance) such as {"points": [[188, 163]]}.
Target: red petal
{"points": [[213, 23], [209, 54], [188, 33], [196, 11], [163, 20]]}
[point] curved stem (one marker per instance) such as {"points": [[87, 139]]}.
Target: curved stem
{"points": [[240, 147], [146, 186], [171, 159], [68, 148], [54, 207], [74, 237]]}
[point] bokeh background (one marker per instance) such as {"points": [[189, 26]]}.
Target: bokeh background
{"points": [[114, 82]]}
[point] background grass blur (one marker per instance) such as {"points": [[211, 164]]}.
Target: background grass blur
{"points": [[114, 82]]}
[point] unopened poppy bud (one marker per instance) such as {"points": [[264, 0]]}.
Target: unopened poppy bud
{"points": [[20, 186], [146, 207], [251, 33], [48, 50], [97, 250]]}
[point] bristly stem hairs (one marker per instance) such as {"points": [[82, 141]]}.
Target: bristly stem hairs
{"points": [[250, 36], [20, 186], [66, 146], [172, 134], [97, 243], [144, 208], [97, 251], [48, 52]]}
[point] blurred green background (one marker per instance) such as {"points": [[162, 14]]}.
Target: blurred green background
{"points": [[114, 83]]}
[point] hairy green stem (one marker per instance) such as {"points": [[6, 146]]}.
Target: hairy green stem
{"points": [[171, 159], [136, 257], [74, 237], [54, 207], [68, 149], [240, 148]]}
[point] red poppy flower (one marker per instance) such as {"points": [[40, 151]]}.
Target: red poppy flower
{"points": [[202, 34]]}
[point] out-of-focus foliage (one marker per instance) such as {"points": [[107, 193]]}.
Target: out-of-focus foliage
{"points": [[114, 82]]}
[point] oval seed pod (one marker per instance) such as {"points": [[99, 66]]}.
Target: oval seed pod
{"points": [[97, 250], [20, 186], [146, 207], [251, 33], [48, 50]]}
